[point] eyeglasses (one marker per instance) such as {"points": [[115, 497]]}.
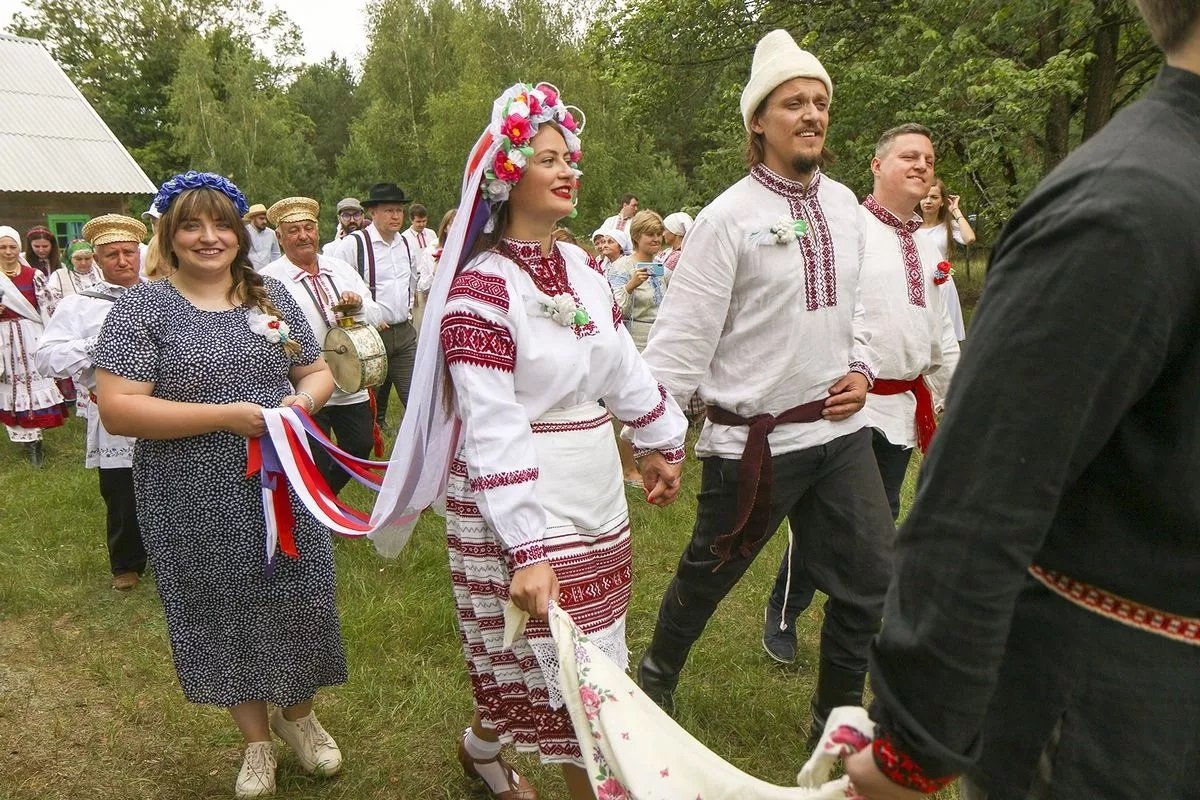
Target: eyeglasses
{"points": [[351, 214]]}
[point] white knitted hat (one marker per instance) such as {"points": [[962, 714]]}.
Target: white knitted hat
{"points": [[777, 59]]}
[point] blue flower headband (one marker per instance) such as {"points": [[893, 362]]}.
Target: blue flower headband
{"points": [[196, 180]]}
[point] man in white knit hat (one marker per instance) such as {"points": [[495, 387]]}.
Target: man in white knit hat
{"points": [[763, 318]]}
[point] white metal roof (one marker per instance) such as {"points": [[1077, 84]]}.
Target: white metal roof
{"points": [[51, 139]]}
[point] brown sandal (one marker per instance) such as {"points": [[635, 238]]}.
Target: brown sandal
{"points": [[518, 787]]}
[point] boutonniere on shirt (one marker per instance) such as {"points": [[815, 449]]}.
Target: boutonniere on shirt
{"points": [[942, 273], [783, 232], [271, 328], [563, 309]]}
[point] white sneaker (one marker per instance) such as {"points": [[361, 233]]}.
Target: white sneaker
{"points": [[257, 776], [316, 749]]}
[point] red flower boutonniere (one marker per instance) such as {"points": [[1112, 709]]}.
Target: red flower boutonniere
{"points": [[942, 273]]}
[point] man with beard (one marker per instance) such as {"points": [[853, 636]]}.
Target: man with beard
{"points": [[264, 247], [65, 351], [763, 313], [350, 219], [317, 283]]}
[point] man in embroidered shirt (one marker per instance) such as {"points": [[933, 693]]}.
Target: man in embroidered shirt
{"points": [[65, 351], [760, 320], [1042, 632], [317, 283], [420, 238], [629, 208], [264, 247], [388, 265], [911, 332]]}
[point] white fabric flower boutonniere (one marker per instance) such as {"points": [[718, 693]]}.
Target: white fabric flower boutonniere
{"points": [[563, 309], [783, 232], [271, 328]]}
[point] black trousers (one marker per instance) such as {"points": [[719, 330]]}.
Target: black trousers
{"points": [[125, 551], [834, 498], [352, 428], [892, 461], [400, 344]]}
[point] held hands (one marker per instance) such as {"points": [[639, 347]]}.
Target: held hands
{"points": [[847, 397], [637, 278], [660, 478], [244, 419], [532, 588], [870, 783]]}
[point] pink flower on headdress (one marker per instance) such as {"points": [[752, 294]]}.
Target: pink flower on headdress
{"points": [[517, 129], [574, 156], [535, 105], [548, 92], [505, 168], [568, 122]]}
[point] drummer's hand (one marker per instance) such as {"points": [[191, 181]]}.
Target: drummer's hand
{"points": [[533, 587], [244, 419], [660, 478], [383, 326], [351, 299]]}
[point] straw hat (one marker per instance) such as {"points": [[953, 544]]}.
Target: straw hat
{"points": [[293, 209], [113, 228]]}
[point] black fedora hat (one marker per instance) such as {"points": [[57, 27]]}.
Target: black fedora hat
{"points": [[384, 193]]}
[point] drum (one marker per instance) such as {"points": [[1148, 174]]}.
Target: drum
{"points": [[356, 356]]}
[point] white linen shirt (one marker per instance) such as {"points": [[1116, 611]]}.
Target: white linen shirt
{"points": [[425, 241], [315, 294], [395, 271], [65, 351], [737, 323], [909, 339], [264, 247], [936, 236]]}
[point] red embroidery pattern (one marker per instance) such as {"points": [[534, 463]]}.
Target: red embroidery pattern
{"points": [[563, 427], [673, 455], [820, 270], [487, 289], [498, 479], [468, 339], [908, 248], [548, 273], [618, 317], [654, 413], [595, 264], [525, 554], [901, 770], [1119, 609]]}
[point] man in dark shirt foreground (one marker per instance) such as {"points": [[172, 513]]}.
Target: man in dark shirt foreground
{"points": [[1042, 630]]}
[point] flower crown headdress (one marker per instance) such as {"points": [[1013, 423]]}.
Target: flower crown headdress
{"points": [[196, 180], [516, 116]]}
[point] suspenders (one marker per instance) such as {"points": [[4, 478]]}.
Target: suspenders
{"points": [[366, 263]]}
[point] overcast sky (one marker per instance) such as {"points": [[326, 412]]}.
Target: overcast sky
{"points": [[327, 27]]}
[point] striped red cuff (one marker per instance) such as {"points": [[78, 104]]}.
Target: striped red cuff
{"points": [[900, 768]]}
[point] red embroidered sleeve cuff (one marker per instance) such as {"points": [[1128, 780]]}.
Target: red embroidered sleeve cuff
{"points": [[524, 555], [865, 370], [673, 455], [901, 769], [652, 414]]}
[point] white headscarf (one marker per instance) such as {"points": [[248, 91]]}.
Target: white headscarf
{"points": [[678, 223], [621, 237], [11, 233]]}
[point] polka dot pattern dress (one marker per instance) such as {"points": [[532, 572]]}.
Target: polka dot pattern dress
{"points": [[236, 634]]}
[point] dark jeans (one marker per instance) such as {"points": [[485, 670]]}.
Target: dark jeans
{"points": [[125, 551], [352, 427], [400, 344], [833, 497], [892, 461]]}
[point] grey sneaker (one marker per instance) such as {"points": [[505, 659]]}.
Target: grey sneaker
{"points": [[779, 644], [257, 776]]}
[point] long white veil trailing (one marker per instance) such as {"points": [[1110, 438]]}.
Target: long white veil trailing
{"points": [[420, 461]]}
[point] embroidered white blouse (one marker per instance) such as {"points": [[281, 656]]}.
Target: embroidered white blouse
{"points": [[639, 307], [910, 326], [936, 236], [761, 327], [511, 364], [65, 351]]}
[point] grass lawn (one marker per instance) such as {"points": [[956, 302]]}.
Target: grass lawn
{"points": [[90, 708]]}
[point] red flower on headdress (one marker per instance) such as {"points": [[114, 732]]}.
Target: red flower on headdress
{"points": [[574, 156], [505, 169], [517, 129], [535, 105], [549, 93], [569, 123]]}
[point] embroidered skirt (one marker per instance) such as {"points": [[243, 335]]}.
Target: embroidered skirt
{"points": [[517, 690]]}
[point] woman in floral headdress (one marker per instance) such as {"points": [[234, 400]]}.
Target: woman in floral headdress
{"points": [[186, 365], [29, 402], [535, 508]]}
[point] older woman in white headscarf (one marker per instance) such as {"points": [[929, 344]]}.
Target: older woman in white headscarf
{"points": [[675, 228], [29, 402], [611, 244]]}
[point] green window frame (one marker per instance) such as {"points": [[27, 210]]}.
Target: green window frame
{"points": [[66, 228]]}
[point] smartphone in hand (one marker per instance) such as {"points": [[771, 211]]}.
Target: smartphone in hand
{"points": [[652, 268]]}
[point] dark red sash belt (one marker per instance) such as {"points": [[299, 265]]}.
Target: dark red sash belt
{"points": [[926, 421], [755, 475]]}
